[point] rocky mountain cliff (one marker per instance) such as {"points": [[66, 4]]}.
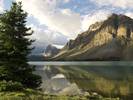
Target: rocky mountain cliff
{"points": [[107, 40], [51, 51]]}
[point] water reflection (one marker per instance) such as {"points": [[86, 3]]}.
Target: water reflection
{"points": [[107, 78]]}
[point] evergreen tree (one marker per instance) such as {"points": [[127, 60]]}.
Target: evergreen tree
{"points": [[14, 48]]}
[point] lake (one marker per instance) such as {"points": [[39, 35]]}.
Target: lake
{"points": [[83, 63], [113, 78]]}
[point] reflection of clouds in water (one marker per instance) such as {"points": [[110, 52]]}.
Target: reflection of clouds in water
{"points": [[58, 76], [54, 82]]}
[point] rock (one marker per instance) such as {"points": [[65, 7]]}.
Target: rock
{"points": [[51, 51], [71, 90], [105, 40]]}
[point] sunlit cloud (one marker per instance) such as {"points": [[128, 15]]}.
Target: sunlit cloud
{"points": [[94, 17], [1, 6], [115, 3], [47, 13]]}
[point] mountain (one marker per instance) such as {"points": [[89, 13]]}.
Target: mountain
{"points": [[36, 58], [110, 39], [37, 53], [51, 51], [44, 53]]}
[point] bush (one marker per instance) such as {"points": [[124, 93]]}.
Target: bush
{"points": [[31, 81], [10, 86]]}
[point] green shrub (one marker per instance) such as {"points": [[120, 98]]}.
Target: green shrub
{"points": [[10, 86]]}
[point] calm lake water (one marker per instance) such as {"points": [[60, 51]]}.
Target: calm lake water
{"points": [[107, 78], [84, 63]]}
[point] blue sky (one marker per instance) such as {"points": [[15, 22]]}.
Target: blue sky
{"points": [[56, 21]]}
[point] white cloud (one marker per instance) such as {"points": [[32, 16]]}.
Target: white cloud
{"points": [[1, 5], [94, 17], [46, 36], [58, 76], [129, 14], [58, 46], [115, 3], [66, 1], [47, 12]]}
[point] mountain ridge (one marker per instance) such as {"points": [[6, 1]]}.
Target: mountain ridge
{"points": [[104, 40], [51, 51]]}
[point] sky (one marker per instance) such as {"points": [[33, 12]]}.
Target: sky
{"points": [[57, 21]]}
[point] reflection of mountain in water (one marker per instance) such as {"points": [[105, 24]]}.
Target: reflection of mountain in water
{"points": [[105, 80], [56, 83]]}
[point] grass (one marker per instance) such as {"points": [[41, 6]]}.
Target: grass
{"points": [[39, 96], [29, 94]]}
